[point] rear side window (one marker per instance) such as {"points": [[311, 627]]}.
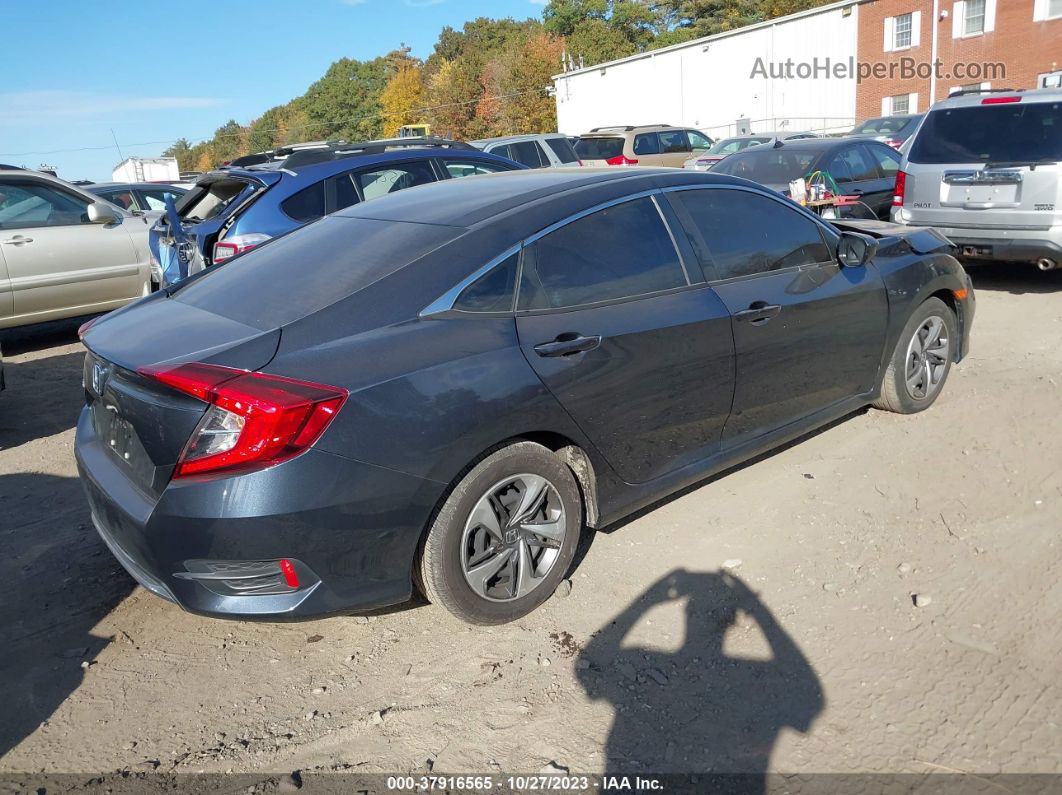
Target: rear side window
{"points": [[1012, 132], [599, 148], [346, 194], [888, 160], [646, 144], [306, 205], [469, 168], [527, 152], [619, 252], [381, 181], [563, 149], [747, 233], [676, 141], [492, 292]]}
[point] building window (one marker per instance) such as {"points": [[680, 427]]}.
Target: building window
{"points": [[973, 18], [1050, 80], [1054, 9], [902, 32], [900, 104]]}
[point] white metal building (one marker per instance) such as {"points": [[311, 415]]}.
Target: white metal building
{"points": [[709, 84]]}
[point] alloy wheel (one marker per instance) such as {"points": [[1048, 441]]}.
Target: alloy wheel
{"points": [[927, 358], [513, 537]]}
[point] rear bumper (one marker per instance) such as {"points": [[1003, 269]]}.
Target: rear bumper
{"points": [[353, 525], [1008, 245]]}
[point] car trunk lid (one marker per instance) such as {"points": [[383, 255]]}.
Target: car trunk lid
{"points": [[140, 423]]}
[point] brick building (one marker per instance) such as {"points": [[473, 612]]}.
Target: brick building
{"points": [[1023, 35]]}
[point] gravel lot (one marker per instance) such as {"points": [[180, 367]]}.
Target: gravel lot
{"points": [[766, 619]]}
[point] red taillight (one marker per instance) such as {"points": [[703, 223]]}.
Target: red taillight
{"points": [[901, 186], [621, 160], [237, 244], [254, 420], [224, 251], [999, 100], [894, 142]]}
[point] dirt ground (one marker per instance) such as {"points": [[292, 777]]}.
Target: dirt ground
{"points": [[763, 620]]}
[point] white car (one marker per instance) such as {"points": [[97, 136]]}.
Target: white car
{"points": [[546, 150], [65, 252]]}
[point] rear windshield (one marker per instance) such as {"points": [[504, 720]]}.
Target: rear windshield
{"points": [[731, 145], [599, 148], [314, 266], [767, 166], [563, 149], [1013, 132], [890, 124], [205, 202]]}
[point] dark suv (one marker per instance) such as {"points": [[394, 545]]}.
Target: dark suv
{"points": [[234, 209]]}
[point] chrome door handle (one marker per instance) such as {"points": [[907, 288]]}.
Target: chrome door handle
{"points": [[759, 312], [567, 345], [17, 240]]}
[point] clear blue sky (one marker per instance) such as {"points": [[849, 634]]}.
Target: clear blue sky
{"points": [[156, 72]]}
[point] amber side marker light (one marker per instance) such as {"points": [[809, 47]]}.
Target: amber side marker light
{"points": [[960, 294]]}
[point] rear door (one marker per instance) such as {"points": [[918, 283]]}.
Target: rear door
{"points": [[57, 261], [807, 332], [987, 165], [675, 148], [529, 153], [637, 350], [563, 152], [857, 174]]}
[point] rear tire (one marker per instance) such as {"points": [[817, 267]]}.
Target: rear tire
{"points": [[504, 538], [922, 360]]}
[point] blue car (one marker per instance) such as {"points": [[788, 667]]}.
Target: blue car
{"points": [[235, 209]]}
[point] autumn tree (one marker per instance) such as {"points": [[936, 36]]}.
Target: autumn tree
{"points": [[402, 97]]}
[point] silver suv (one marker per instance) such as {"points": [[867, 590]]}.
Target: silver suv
{"points": [[984, 169]]}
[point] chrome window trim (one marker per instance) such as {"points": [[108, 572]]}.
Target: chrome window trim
{"points": [[446, 301]]}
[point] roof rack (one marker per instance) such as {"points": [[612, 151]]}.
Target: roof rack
{"points": [[626, 127], [962, 92], [309, 156]]}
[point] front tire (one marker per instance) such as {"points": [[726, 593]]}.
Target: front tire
{"points": [[922, 360], [504, 538]]}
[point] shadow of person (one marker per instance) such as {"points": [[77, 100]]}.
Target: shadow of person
{"points": [[59, 580], [698, 710]]}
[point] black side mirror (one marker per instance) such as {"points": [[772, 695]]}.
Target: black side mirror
{"points": [[855, 250]]}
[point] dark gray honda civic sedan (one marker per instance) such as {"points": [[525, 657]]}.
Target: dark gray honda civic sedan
{"points": [[440, 389]]}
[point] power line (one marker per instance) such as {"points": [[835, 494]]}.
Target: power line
{"points": [[355, 119]]}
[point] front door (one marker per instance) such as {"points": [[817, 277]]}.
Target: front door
{"points": [[857, 174], [807, 332], [59, 262], [639, 353]]}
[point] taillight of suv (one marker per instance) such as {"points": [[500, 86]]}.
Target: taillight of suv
{"points": [[237, 244], [254, 420], [901, 186], [622, 160]]}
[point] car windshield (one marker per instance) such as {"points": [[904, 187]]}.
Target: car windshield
{"points": [[731, 145], [1011, 132], [767, 166], [890, 124], [599, 148]]}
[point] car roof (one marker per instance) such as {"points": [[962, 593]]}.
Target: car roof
{"points": [[907, 116], [357, 160], [509, 138], [975, 99], [92, 187], [469, 201], [811, 145], [624, 129]]}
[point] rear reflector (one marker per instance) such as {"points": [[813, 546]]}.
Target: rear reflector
{"points": [[901, 187], [254, 421], [999, 100], [290, 577]]}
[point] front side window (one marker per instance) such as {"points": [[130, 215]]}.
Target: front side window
{"points": [[563, 149], [887, 159], [850, 165], [381, 181], [698, 141], [618, 252], [28, 204], [671, 142], [903, 27], [973, 17], [155, 199], [747, 234], [469, 168]]}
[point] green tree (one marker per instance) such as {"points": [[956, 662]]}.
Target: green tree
{"points": [[182, 150]]}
